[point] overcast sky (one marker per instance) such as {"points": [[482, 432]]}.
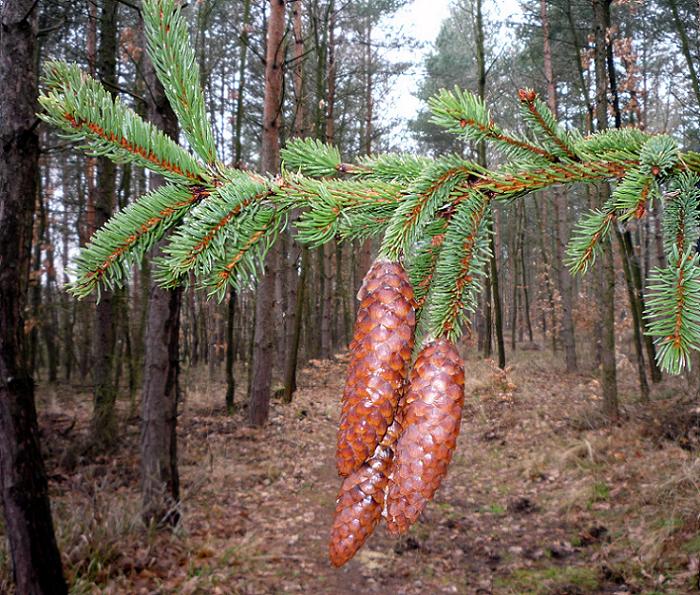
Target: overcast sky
{"points": [[421, 20]]}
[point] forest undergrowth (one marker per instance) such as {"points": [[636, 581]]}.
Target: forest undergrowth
{"points": [[542, 496]]}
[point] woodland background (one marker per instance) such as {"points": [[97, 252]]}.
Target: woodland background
{"points": [[557, 487]]}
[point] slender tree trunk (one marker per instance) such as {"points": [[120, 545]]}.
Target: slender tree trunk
{"points": [[242, 65], [630, 261], [685, 48], [261, 375], [290, 375], [523, 268], [493, 264], [237, 156], [606, 295], [160, 488], [560, 214], [541, 214], [104, 426], [67, 305], [298, 284], [515, 262], [36, 562], [638, 286], [636, 320], [230, 350]]}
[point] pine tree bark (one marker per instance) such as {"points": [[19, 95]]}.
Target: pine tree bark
{"points": [[298, 283], [104, 425], [160, 489], [637, 323], [606, 294], [261, 373], [36, 562], [237, 159]]}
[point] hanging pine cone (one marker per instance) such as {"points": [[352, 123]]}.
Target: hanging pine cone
{"points": [[430, 417], [360, 501], [381, 351]]}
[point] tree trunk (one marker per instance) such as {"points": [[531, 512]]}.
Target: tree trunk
{"points": [[36, 562], [298, 283], [560, 214], [493, 264], [606, 296], [636, 320], [290, 375], [261, 374], [104, 427], [159, 474], [685, 48], [523, 268]]}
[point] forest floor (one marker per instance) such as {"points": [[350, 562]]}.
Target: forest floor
{"points": [[542, 497]]}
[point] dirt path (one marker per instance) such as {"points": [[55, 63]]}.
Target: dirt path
{"points": [[492, 529], [536, 501]]}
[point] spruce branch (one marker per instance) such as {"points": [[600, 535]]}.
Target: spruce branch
{"points": [[399, 167], [459, 268], [174, 59], [545, 127], [316, 159], [659, 156], [673, 310], [616, 144], [433, 213], [245, 252], [128, 235], [349, 209], [202, 240], [311, 157], [431, 191], [82, 108], [586, 241], [681, 219], [423, 258], [465, 114], [633, 194]]}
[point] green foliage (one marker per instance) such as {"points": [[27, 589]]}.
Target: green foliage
{"points": [[311, 157], [463, 113], [433, 213], [673, 310], [681, 219], [659, 155], [177, 68], [632, 196], [133, 231], [82, 108], [587, 238], [398, 167], [431, 191], [614, 144], [540, 119], [202, 242], [348, 209], [461, 264]]}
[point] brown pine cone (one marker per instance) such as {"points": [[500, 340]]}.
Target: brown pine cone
{"points": [[380, 353], [430, 416], [360, 501]]}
